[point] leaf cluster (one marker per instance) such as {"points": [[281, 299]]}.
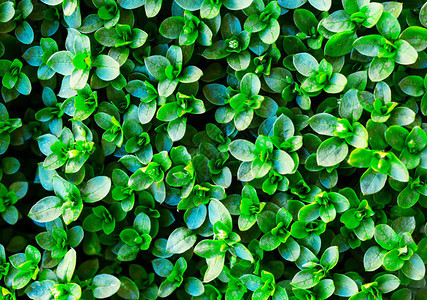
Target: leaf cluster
{"points": [[213, 149]]}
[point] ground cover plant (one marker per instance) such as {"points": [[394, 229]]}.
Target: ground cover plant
{"points": [[213, 149]]}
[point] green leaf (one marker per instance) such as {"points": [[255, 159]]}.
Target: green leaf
{"points": [[422, 252], [195, 216], [156, 65], [7, 11], [291, 4], [130, 4], [412, 85], [180, 240], [46, 209], [23, 85], [402, 116], [344, 285], [204, 36], [105, 285], [372, 182], [423, 15], [139, 38], [242, 150], [139, 181], [209, 9], [395, 137], [392, 261], [405, 54], [242, 252], [327, 212], [96, 189], [245, 222], [350, 107], [290, 250], [357, 80], [21, 280], [190, 74], [271, 33], [39, 289], [304, 19], [380, 68], [283, 162], [167, 87], [236, 4], [216, 51], [215, 266], [194, 286], [373, 258], [414, 268], [61, 62], [152, 7], [305, 279], [416, 36], [330, 257], [325, 288], [171, 27], [373, 13], [331, 152], [107, 68], [408, 197], [250, 84], [69, 6], [10, 215], [305, 64], [309, 212], [340, 44], [251, 282], [388, 26], [338, 21], [20, 188], [368, 45], [398, 171], [283, 127], [167, 287], [66, 267], [162, 267], [365, 231], [359, 138], [254, 24], [190, 5], [335, 84], [128, 289], [386, 237], [403, 224], [376, 134], [176, 129], [268, 242], [387, 283], [24, 33], [219, 213], [107, 37], [323, 123], [239, 61], [323, 5]]}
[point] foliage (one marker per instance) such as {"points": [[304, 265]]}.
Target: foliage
{"points": [[213, 149]]}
